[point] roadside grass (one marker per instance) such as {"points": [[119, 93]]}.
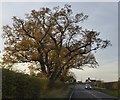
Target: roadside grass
{"points": [[112, 92], [63, 92]]}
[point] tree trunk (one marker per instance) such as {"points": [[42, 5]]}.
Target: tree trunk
{"points": [[42, 67], [52, 77]]}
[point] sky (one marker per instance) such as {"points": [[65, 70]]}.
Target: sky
{"points": [[59, 1], [103, 17]]}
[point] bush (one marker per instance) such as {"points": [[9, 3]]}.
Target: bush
{"points": [[18, 85]]}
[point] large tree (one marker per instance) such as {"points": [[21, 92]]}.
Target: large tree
{"points": [[54, 39]]}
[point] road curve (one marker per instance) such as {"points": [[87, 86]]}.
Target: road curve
{"points": [[80, 92]]}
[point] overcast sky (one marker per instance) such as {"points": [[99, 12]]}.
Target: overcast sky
{"points": [[59, 0], [103, 17]]}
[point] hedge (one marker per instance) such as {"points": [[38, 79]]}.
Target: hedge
{"points": [[18, 85]]}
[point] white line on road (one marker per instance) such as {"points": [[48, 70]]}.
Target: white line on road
{"points": [[71, 94], [94, 95]]}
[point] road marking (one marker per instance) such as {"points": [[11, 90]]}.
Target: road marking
{"points": [[71, 93], [94, 95]]}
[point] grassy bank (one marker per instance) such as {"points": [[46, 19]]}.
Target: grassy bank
{"points": [[59, 93], [18, 85], [112, 92]]}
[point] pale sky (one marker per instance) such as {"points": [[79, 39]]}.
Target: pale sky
{"points": [[103, 17], [59, 0]]}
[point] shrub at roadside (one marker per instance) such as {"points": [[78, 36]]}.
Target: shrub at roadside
{"points": [[18, 85]]}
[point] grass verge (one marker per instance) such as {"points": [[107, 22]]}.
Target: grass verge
{"points": [[63, 92], [112, 92]]}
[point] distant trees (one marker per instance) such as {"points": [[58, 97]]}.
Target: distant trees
{"points": [[54, 39]]}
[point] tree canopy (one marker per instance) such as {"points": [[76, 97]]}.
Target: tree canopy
{"points": [[54, 39]]}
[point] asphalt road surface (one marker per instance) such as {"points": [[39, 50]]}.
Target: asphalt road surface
{"points": [[80, 92]]}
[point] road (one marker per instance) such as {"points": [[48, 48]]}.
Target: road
{"points": [[80, 92]]}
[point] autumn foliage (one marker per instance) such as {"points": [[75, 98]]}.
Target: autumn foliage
{"points": [[54, 39]]}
